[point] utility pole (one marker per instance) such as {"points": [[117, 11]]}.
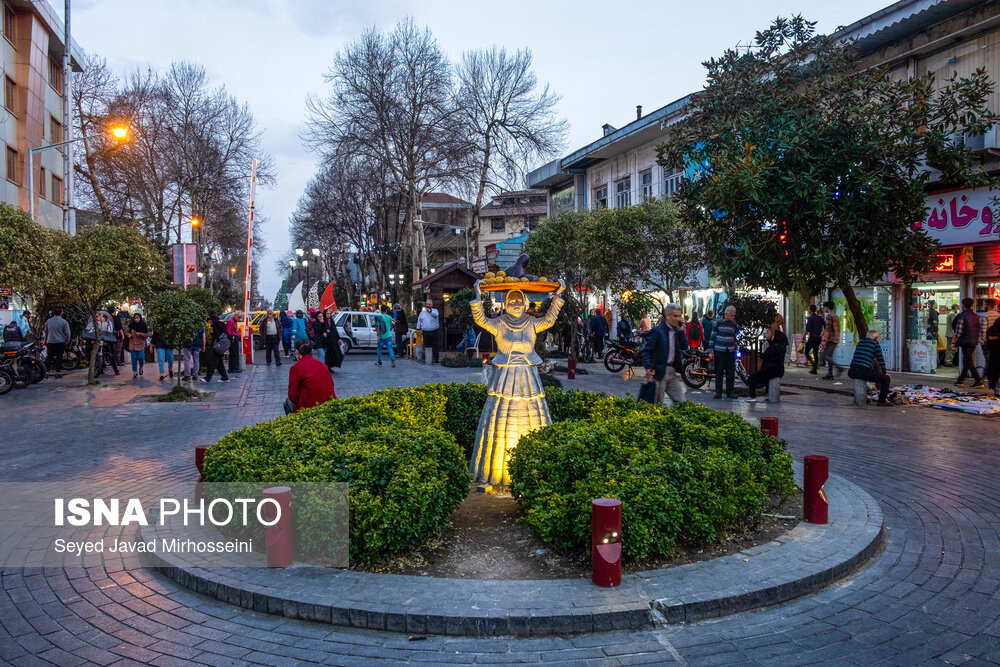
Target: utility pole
{"points": [[67, 64]]}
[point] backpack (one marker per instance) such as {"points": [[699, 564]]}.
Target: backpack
{"points": [[221, 344], [380, 327]]}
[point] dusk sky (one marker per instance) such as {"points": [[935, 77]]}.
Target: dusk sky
{"points": [[602, 58]]}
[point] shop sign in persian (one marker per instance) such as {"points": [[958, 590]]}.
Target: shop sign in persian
{"points": [[956, 217]]}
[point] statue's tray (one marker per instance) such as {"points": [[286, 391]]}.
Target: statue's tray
{"points": [[525, 286]]}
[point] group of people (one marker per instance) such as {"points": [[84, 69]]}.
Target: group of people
{"points": [[287, 328], [972, 330]]}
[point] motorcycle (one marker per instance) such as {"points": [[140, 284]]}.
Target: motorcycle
{"points": [[18, 361], [619, 355], [6, 381], [698, 368]]}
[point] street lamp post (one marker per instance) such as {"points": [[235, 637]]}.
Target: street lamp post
{"points": [[119, 133]]}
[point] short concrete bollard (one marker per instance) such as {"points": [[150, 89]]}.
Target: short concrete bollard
{"points": [[428, 356], [860, 392], [815, 506], [278, 538], [606, 542], [774, 390]]}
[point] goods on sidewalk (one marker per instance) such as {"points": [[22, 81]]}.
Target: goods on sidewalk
{"points": [[942, 398]]}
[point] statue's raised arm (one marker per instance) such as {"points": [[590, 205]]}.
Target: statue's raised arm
{"points": [[549, 320], [478, 314]]}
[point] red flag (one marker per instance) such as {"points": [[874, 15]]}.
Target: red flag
{"points": [[327, 302]]}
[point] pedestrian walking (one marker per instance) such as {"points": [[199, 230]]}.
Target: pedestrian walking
{"points": [[164, 355], [120, 322], [383, 328], [814, 337], [707, 325], [663, 356], [993, 362], [429, 322], [831, 337], [694, 332], [645, 324], [598, 327], [868, 364], [272, 330], [286, 332], [772, 360], [986, 319], [309, 382], [400, 327], [235, 342], [192, 355], [334, 355], [966, 339], [56, 335], [722, 349], [952, 356], [137, 336], [219, 338], [319, 327], [299, 331]]}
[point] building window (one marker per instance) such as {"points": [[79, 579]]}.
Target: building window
{"points": [[532, 222], [42, 185], [601, 197], [672, 182], [8, 23], [55, 130], [12, 165], [9, 94], [646, 183], [497, 225], [623, 193], [55, 75], [57, 190]]}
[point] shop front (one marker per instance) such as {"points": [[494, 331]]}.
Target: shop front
{"points": [[967, 264]]}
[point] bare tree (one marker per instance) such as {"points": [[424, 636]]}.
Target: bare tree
{"points": [[392, 103], [509, 120]]}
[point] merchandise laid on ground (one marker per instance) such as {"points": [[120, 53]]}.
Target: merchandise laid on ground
{"points": [[942, 398]]}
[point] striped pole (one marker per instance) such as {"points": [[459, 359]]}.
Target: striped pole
{"points": [[247, 332]]}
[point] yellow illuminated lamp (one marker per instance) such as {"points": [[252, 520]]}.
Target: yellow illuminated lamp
{"points": [[232, 269], [195, 222], [119, 132]]}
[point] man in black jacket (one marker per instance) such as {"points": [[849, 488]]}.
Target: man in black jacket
{"points": [[663, 355], [772, 360], [814, 336]]}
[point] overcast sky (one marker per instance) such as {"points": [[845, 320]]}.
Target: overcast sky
{"points": [[603, 58]]}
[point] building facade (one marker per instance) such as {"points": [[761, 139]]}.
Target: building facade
{"points": [[510, 214], [33, 107]]}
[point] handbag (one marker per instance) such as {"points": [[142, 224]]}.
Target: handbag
{"points": [[221, 344], [647, 392]]}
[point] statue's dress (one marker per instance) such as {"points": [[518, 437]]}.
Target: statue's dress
{"points": [[515, 401]]}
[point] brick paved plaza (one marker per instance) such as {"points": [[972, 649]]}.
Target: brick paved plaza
{"points": [[931, 595]]}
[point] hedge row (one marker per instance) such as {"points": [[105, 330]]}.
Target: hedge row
{"points": [[684, 474], [395, 448]]}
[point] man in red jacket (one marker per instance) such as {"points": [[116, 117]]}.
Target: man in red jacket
{"points": [[309, 380]]}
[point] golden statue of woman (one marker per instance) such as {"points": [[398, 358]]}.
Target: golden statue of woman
{"points": [[515, 400]]}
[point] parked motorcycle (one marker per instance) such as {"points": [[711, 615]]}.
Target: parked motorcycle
{"points": [[698, 368], [20, 364], [619, 355]]}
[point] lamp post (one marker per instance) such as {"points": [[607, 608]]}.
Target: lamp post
{"points": [[119, 133]]}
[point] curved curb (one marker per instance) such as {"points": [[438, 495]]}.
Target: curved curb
{"points": [[802, 561]]}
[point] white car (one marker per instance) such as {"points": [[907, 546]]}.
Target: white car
{"points": [[362, 333]]}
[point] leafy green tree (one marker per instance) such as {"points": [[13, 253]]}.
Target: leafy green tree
{"points": [[461, 309], [178, 317], [809, 170], [557, 253], [642, 247], [753, 312], [205, 299], [636, 305], [28, 254], [105, 262]]}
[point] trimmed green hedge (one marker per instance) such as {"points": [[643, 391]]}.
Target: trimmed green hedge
{"points": [[684, 474]]}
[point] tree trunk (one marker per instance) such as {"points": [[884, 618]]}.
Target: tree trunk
{"points": [[483, 176], [854, 305]]}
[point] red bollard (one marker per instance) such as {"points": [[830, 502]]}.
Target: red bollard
{"points": [[199, 460], [278, 538], [571, 369], [769, 425], [606, 542], [815, 506]]}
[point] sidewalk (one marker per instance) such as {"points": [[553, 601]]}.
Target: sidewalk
{"points": [[799, 376]]}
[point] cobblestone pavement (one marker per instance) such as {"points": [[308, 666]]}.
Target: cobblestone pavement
{"points": [[932, 595]]}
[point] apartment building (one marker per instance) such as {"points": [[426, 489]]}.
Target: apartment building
{"points": [[33, 114]]}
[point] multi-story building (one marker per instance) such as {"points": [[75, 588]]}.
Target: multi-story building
{"points": [[33, 107], [510, 214]]}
